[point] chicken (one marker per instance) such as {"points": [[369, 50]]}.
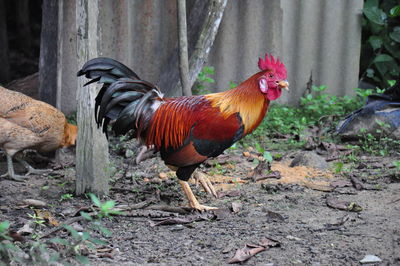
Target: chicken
{"points": [[185, 130], [26, 123]]}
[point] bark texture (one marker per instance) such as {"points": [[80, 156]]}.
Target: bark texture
{"points": [[183, 48], [92, 161]]}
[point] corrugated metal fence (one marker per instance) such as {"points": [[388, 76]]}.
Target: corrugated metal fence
{"points": [[318, 36]]}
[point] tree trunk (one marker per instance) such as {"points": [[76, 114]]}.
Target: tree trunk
{"points": [[92, 150], [169, 76], [183, 48], [5, 65], [203, 23], [206, 39], [49, 53]]}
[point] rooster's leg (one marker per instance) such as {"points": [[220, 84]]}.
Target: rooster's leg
{"points": [[10, 172], [205, 183], [32, 170], [193, 203]]}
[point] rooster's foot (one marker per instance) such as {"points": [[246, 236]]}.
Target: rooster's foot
{"points": [[205, 183], [193, 202]]}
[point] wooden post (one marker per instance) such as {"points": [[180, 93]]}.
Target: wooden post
{"points": [[183, 48], [5, 65], [92, 159]]}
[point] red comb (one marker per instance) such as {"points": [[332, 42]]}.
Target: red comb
{"points": [[270, 63]]}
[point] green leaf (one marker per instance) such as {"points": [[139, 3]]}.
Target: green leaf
{"points": [[85, 236], [82, 259], [259, 148], [98, 241], [208, 70], [371, 3], [395, 11], [95, 200], [267, 156], [4, 225], [383, 58], [375, 15], [86, 216], [59, 241], [370, 72], [73, 232], [105, 231], [395, 34], [209, 80], [375, 41]]}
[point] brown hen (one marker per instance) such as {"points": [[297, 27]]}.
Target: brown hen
{"points": [[26, 123]]}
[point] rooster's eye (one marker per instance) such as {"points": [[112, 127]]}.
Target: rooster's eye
{"points": [[271, 75]]}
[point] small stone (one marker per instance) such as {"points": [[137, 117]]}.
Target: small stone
{"points": [[310, 159], [246, 154], [370, 259]]}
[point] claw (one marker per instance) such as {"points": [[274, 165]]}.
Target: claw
{"points": [[205, 183], [193, 203]]}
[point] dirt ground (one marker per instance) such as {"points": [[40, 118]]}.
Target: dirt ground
{"points": [[157, 230]]}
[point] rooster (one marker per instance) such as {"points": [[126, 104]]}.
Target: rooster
{"points": [[26, 123], [185, 130]]}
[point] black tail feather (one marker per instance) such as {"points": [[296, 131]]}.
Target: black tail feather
{"points": [[123, 98]]}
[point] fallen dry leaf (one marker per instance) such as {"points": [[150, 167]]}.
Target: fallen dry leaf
{"points": [[343, 205], [249, 250], [26, 229], [245, 253], [357, 183], [34, 203], [183, 220], [47, 216], [318, 187], [269, 242], [246, 154], [341, 183]]}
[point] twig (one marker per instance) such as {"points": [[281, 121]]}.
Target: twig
{"points": [[166, 208], [60, 227]]}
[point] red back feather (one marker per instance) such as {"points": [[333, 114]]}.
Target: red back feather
{"points": [[272, 64]]}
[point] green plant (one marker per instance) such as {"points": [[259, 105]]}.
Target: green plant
{"points": [[338, 167], [5, 244], [66, 196], [37, 220], [85, 240], [290, 122], [380, 52], [203, 80], [72, 118]]}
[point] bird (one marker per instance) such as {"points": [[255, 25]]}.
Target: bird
{"points": [[379, 108], [29, 124], [186, 130]]}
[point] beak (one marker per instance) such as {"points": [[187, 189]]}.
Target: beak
{"points": [[284, 84]]}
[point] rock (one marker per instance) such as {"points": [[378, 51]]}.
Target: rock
{"points": [[370, 259], [309, 158]]}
